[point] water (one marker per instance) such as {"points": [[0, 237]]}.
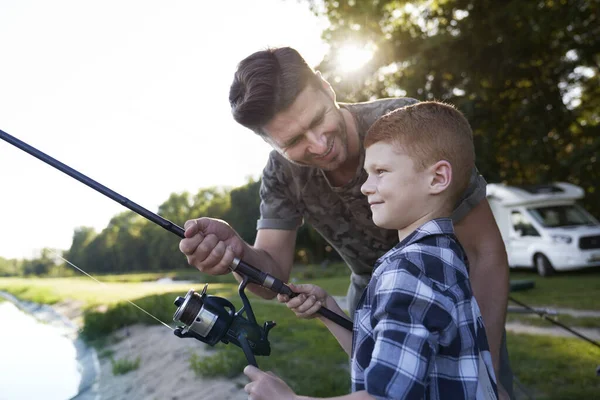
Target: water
{"points": [[37, 361]]}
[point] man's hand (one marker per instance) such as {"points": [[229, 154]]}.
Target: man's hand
{"points": [[266, 386], [211, 245], [309, 300]]}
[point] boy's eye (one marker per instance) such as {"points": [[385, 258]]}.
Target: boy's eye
{"points": [[380, 171]]}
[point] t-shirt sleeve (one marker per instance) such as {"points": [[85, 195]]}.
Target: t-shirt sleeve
{"points": [[278, 205], [474, 194], [408, 316]]}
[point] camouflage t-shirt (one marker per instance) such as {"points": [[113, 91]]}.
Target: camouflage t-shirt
{"points": [[291, 194]]}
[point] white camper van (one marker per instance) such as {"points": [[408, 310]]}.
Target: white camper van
{"points": [[544, 228]]}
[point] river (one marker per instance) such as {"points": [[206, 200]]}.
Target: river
{"points": [[37, 360]]}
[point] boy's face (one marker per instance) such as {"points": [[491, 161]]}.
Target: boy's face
{"points": [[397, 192]]}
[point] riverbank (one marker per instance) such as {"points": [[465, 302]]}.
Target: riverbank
{"points": [[164, 369]]}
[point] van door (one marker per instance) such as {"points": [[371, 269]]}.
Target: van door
{"points": [[522, 235]]}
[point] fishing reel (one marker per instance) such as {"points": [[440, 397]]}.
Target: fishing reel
{"points": [[211, 319]]}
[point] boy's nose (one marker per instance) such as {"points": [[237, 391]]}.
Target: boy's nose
{"points": [[367, 188]]}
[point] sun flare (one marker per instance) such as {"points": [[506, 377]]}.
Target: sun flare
{"points": [[352, 57]]}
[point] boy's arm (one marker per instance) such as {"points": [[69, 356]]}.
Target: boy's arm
{"points": [[309, 300], [479, 235], [343, 335]]}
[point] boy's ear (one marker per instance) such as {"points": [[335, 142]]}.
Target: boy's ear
{"points": [[440, 177]]}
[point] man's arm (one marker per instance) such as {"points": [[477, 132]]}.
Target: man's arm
{"points": [[478, 233]]}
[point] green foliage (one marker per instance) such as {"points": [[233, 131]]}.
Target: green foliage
{"points": [[106, 353], [124, 365], [26, 291], [513, 67], [10, 267], [244, 211], [98, 324], [228, 362]]}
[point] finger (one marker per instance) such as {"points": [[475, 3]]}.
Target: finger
{"points": [[310, 301], [283, 298], [217, 252], [221, 257], [206, 247], [252, 372], [189, 246], [191, 228], [302, 288], [248, 387], [297, 301], [311, 311]]}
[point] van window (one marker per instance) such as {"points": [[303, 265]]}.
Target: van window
{"points": [[521, 224], [555, 216]]}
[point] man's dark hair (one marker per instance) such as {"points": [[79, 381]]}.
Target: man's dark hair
{"points": [[266, 83]]}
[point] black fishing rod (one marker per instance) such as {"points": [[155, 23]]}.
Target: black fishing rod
{"points": [[253, 274]]}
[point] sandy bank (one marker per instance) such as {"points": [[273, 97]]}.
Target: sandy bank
{"points": [[164, 371]]}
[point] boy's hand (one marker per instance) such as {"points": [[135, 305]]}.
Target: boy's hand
{"points": [[309, 300], [266, 385]]}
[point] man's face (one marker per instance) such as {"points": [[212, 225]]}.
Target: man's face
{"points": [[397, 192], [312, 131]]}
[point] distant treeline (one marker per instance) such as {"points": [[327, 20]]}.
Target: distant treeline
{"points": [[130, 243]]}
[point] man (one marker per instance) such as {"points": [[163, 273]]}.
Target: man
{"points": [[315, 174]]}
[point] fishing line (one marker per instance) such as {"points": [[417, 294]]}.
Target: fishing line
{"points": [[102, 283]]}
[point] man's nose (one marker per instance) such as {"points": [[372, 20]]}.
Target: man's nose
{"points": [[317, 142]]}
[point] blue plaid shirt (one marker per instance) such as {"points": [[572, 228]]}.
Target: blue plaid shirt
{"points": [[418, 331]]}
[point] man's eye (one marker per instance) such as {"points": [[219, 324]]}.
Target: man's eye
{"points": [[380, 171], [292, 142]]}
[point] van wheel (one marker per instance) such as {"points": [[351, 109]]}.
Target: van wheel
{"points": [[543, 266]]}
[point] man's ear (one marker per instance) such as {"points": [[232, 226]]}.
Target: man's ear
{"points": [[440, 176], [326, 86]]}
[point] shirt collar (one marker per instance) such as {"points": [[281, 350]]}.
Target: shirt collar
{"points": [[438, 226]]}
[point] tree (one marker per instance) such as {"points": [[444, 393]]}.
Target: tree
{"points": [[245, 209], [42, 265], [525, 73], [10, 267]]}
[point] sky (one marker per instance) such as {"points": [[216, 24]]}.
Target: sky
{"points": [[133, 94]]}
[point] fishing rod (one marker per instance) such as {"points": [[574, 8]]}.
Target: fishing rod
{"points": [[199, 312]]}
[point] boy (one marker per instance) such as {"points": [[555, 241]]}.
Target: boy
{"points": [[418, 332]]}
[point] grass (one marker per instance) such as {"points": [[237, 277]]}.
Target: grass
{"points": [[577, 289], [555, 368], [570, 321], [53, 290], [124, 365]]}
